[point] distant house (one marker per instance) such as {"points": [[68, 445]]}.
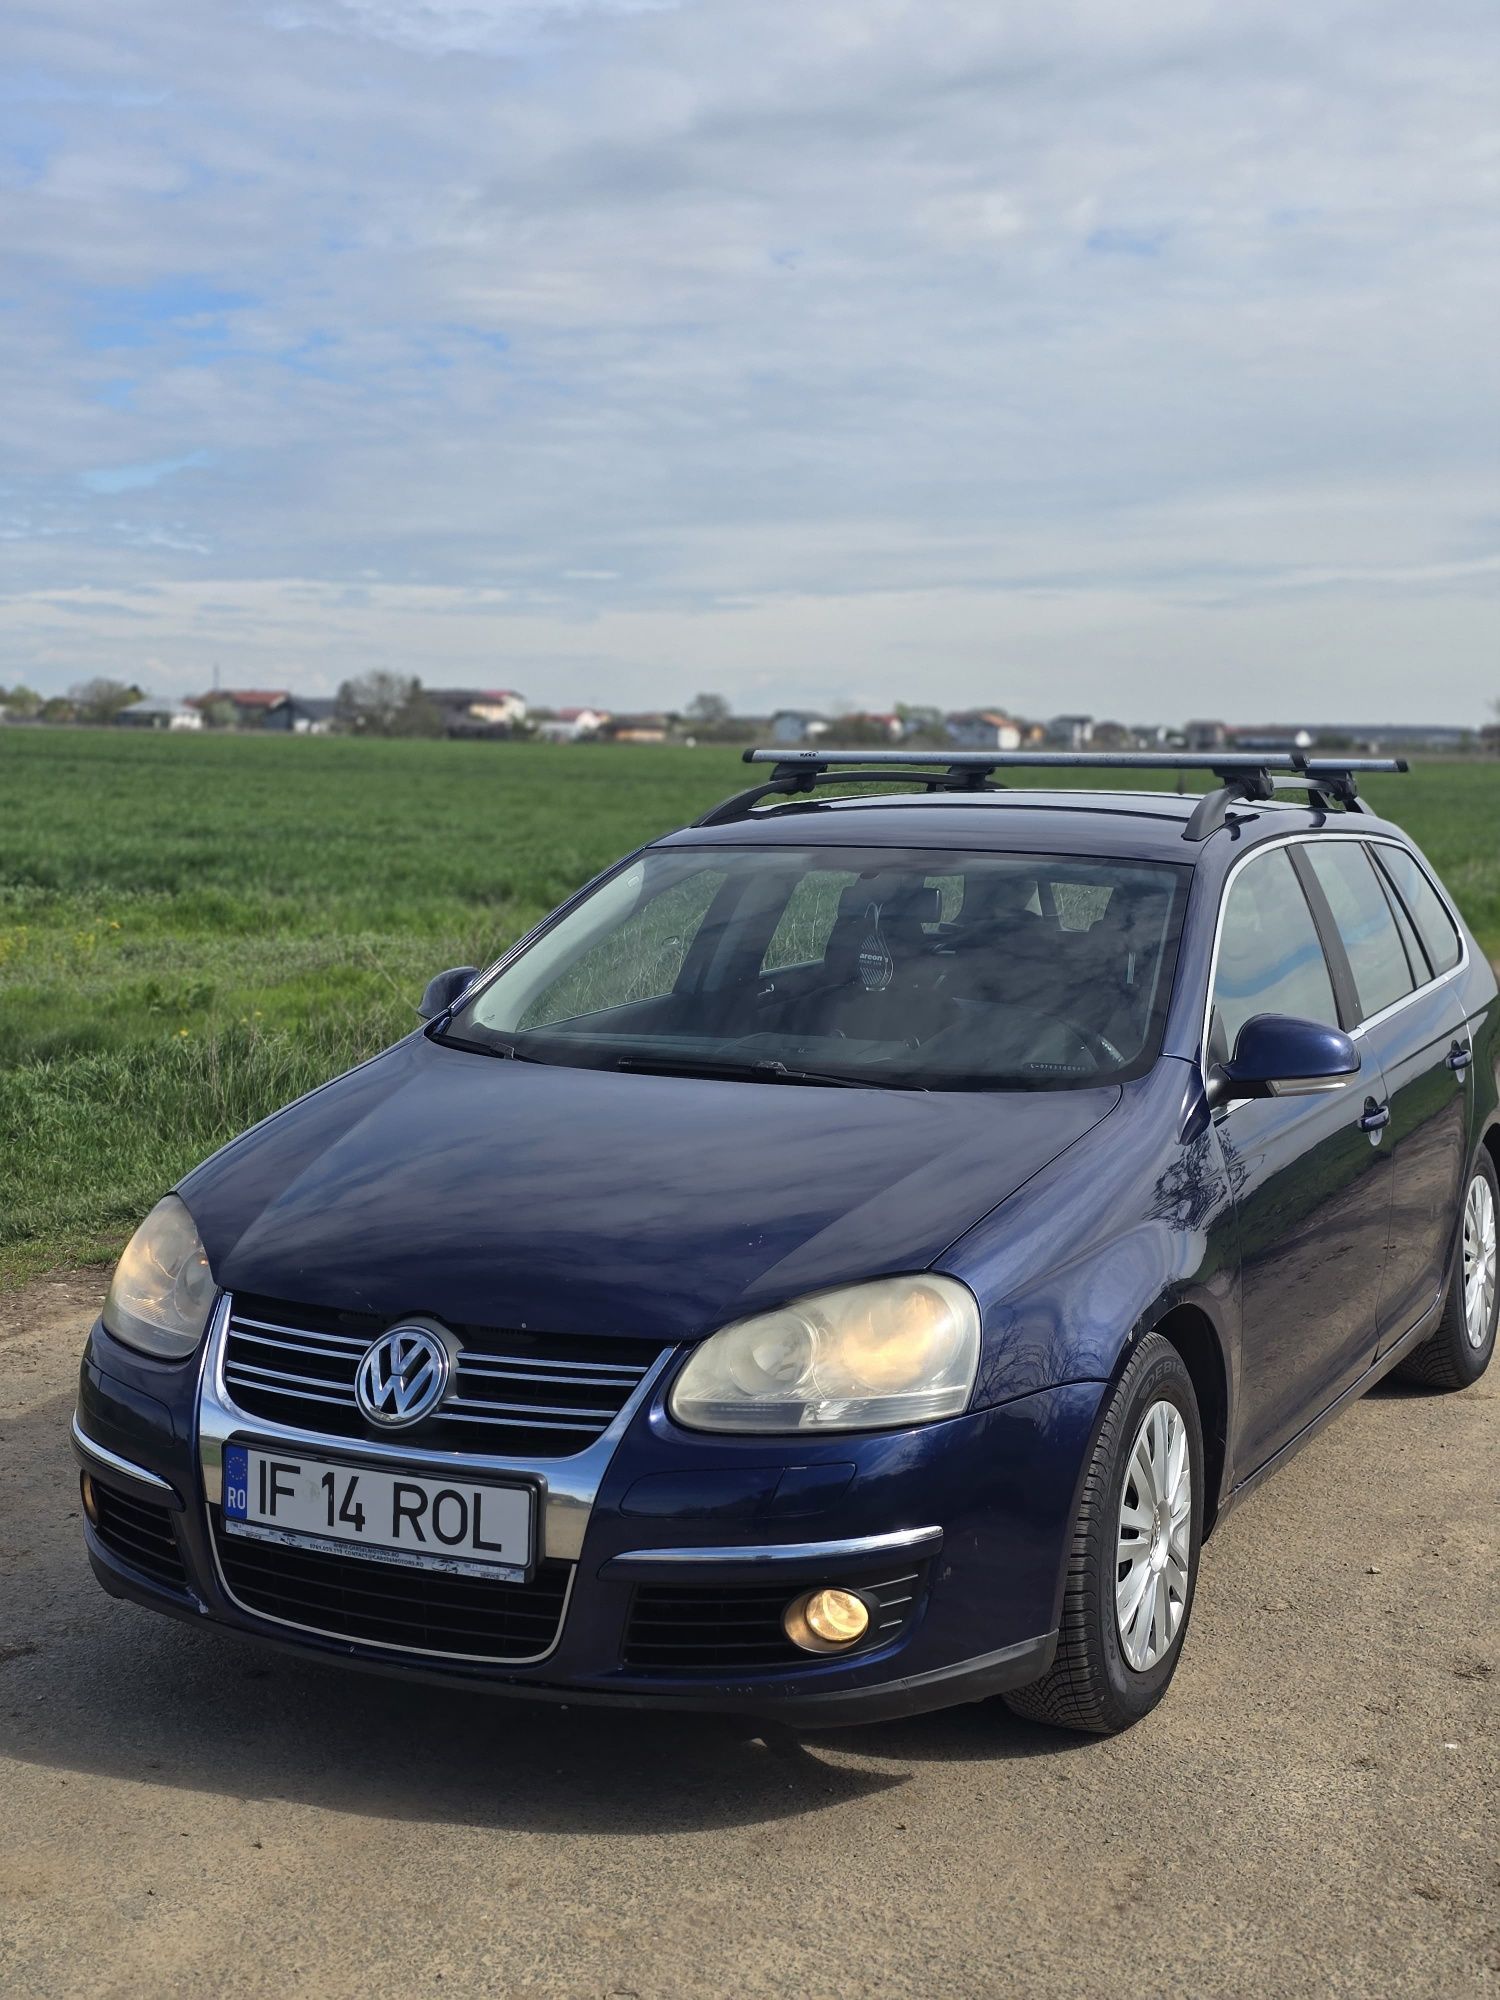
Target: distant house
{"points": [[1205, 736], [1272, 736], [638, 729], [1398, 736], [159, 715], [891, 724], [797, 725], [1070, 732], [254, 708], [304, 715], [572, 725], [468, 712], [1113, 736], [982, 729], [1371, 739], [860, 729]]}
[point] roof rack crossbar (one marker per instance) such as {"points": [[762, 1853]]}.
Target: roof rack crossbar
{"points": [[1220, 761], [1246, 777]]}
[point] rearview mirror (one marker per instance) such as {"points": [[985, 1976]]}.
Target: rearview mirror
{"points": [[1277, 1056], [444, 988]]}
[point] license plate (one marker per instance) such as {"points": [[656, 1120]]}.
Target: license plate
{"points": [[407, 1518]]}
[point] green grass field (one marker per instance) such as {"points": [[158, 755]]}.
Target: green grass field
{"points": [[193, 931]]}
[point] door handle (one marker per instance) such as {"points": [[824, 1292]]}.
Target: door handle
{"points": [[1376, 1116], [1460, 1056]]}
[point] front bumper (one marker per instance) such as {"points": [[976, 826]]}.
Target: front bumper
{"points": [[977, 1510]]}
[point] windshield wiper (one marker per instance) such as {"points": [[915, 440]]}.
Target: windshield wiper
{"points": [[506, 1050], [764, 1070]]}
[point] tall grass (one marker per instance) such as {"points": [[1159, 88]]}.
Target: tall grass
{"points": [[193, 931]]}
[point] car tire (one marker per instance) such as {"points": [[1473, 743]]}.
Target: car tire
{"points": [[1458, 1350], [1093, 1683]]}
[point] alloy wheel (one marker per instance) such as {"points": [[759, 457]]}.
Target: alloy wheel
{"points": [[1479, 1261], [1154, 1538]]}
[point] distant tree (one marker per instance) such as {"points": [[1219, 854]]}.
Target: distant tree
{"points": [[922, 726], [58, 709], [101, 700], [1333, 739], [708, 710], [23, 700], [419, 716], [218, 712], [708, 718], [384, 704], [857, 732]]}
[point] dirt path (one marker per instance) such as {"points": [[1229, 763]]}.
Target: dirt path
{"points": [[1313, 1812]]}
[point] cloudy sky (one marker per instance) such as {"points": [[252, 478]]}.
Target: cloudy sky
{"points": [[1140, 359]]}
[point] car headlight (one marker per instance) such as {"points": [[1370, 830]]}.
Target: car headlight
{"points": [[162, 1291], [892, 1352]]}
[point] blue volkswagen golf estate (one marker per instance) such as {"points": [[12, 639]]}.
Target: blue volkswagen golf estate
{"points": [[843, 1262]]}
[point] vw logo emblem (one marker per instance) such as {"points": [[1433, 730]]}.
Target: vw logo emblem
{"points": [[402, 1377]]}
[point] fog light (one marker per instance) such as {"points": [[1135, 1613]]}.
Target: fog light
{"points": [[826, 1621], [90, 1499]]}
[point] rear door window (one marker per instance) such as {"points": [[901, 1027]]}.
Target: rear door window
{"points": [[807, 919], [1270, 956], [1363, 916], [1424, 905]]}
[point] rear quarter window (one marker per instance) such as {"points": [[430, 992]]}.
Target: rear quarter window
{"points": [[1436, 929]]}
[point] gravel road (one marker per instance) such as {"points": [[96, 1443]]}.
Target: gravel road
{"points": [[1316, 1810]]}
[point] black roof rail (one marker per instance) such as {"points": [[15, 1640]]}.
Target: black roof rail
{"points": [[1245, 776]]}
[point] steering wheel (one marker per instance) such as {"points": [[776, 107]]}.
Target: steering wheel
{"points": [[1100, 1051]]}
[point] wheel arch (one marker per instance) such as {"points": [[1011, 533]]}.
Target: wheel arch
{"points": [[1196, 1338], [1191, 1328]]}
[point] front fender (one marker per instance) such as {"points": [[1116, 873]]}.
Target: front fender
{"points": [[1136, 1220]]}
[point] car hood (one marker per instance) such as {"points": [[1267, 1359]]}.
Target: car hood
{"points": [[501, 1193]]}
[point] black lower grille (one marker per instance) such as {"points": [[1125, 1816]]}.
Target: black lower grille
{"points": [[415, 1610], [734, 1628], [139, 1534]]}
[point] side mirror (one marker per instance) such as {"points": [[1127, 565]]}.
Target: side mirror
{"points": [[444, 988], [1277, 1056]]}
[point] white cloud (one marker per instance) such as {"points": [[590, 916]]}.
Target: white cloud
{"points": [[1051, 354]]}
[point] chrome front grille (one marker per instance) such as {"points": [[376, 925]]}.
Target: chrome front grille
{"points": [[544, 1395]]}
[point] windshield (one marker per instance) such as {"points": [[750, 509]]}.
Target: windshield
{"points": [[906, 969]]}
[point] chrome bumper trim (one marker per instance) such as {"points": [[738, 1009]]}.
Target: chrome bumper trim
{"points": [[566, 1487], [772, 1554], [111, 1461]]}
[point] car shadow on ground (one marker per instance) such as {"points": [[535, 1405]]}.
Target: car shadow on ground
{"points": [[92, 1685]]}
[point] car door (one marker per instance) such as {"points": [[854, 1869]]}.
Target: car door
{"points": [[1411, 1023], [1312, 1186]]}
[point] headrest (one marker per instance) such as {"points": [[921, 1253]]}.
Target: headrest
{"points": [[991, 894], [916, 906]]}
